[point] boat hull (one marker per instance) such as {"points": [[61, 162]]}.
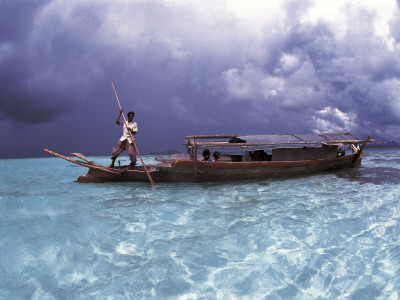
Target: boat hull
{"points": [[184, 170]]}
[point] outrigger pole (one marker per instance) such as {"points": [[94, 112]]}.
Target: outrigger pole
{"points": [[133, 141]]}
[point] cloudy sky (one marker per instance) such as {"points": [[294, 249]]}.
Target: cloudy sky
{"points": [[194, 67]]}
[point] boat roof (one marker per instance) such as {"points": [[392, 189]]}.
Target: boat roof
{"points": [[269, 141]]}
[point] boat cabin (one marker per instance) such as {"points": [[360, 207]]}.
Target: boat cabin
{"points": [[281, 147]]}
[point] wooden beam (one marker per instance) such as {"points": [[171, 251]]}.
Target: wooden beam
{"points": [[195, 159]]}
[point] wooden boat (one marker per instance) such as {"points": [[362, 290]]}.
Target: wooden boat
{"points": [[282, 155]]}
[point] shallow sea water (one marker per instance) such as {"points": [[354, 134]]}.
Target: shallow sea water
{"points": [[326, 236]]}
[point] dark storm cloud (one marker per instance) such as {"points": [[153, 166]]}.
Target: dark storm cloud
{"points": [[15, 24], [45, 65], [204, 66], [333, 82], [14, 21]]}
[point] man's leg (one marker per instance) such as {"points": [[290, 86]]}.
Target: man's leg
{"points": [[115, 152], [132, 153]]}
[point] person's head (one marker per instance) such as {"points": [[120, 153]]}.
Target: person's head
{"points": [[259, 155], [216, 155], [206, 154], [130, 115]]}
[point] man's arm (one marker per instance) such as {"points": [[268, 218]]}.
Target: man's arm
{"points": [[133, 128], [119, 116]]}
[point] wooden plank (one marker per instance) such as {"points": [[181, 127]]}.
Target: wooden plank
{"points": [[218, 136], [83, 157], [124, 169], [224, 144], [85, 164], [195, 160]]}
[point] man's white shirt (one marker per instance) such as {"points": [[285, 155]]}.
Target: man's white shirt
{"points": [[133, 126]]}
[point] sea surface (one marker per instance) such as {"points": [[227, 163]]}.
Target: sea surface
{"points": [[327, 236]]}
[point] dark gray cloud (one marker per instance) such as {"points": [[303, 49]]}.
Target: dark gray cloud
{"points": [[337, 82], [16, 22], [45, 66], [201, 67]]}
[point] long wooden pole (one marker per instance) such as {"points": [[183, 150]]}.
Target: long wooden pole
{"points": [[133, 141]]}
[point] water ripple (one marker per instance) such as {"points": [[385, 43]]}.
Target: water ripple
{"points": [[327, 236]]}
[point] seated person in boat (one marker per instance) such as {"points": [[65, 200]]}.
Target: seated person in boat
{"points": [[206, 155], [125, 142], [260, 155], [341, 152], [216, 156], [354, 148], [248, 156]]}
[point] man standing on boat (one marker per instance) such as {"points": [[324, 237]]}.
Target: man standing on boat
{"points": [[125, 142]]}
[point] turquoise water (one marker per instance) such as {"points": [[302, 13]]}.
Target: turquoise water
{"points": [[327, 236]]}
